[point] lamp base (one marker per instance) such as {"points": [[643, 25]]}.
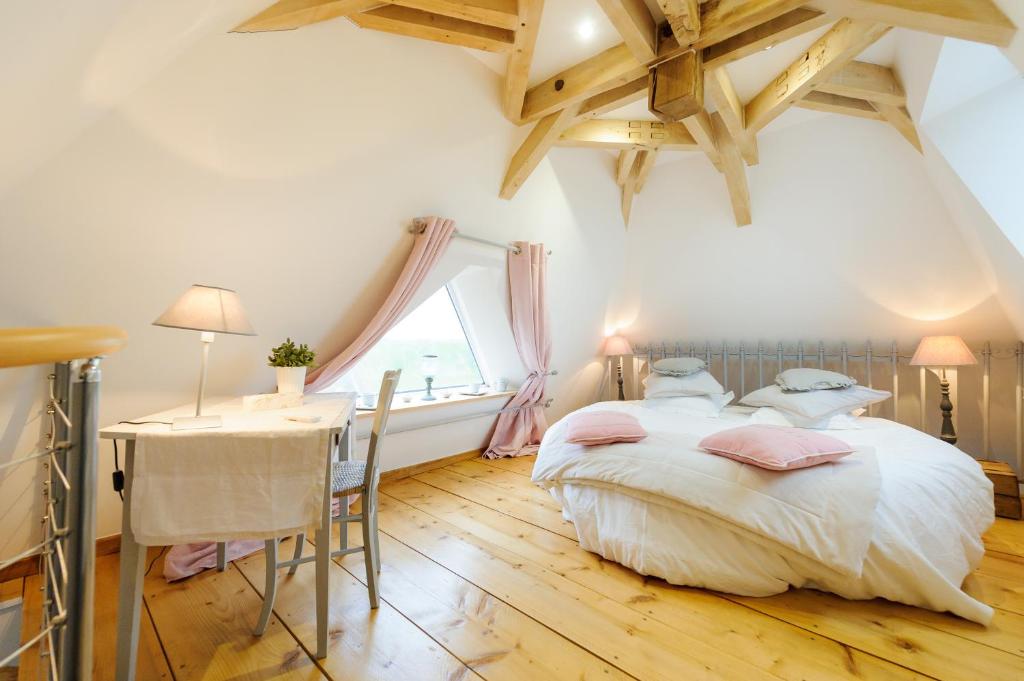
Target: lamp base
{"points": [[196, 422]]}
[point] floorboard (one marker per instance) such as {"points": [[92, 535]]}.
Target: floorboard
{"points": [[482, 580], [363, 643]]}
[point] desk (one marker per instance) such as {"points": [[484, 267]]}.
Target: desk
{"points": [[133, 554]]}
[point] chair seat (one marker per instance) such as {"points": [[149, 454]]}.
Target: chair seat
{"points": [[348, 477]]}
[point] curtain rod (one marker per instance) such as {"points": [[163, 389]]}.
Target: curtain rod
{"points": [[418, 225]]}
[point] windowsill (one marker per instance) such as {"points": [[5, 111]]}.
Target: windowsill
{"points": [[399, 406]]}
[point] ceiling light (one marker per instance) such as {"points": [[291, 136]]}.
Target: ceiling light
{"points": [[586, 29]]}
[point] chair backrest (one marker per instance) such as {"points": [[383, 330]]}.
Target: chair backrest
{"points": [[380, 425]]}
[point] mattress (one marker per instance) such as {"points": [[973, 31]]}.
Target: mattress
{"points": [[923, 527]]}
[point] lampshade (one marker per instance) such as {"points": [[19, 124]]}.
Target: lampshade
{"points": [[942, 351], [207, 308], [617, 345]]}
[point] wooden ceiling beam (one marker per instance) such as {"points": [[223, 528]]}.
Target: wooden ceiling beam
{"points": [[862, 80], [610, 100], [629, 187], [826, 56], [683, 18], [764, 36], [645, 164], [735, 172], [614, 67], [602, 133], [416, 23], [733, 115], [899, 118], [720, 19], [634, 22], [701, 129], [830, 103], [979, 21], [499, 13], [676, 89], [624, 166], [520, 58], [535, 147], [288, 15]]}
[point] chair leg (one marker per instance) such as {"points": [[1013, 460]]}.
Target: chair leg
{"points": [[375, 535], [300, 539], [371, 567], [343, 507], [222, 556], [270, 588]]}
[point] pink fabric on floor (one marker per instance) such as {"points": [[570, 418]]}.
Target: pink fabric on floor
{"points": [[522, 424], [185, 560], [428, 248]]}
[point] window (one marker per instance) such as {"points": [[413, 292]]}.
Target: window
{"points": [[433, 328]]}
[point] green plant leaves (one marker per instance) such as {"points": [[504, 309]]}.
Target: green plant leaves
{"points": [[288, 354]]}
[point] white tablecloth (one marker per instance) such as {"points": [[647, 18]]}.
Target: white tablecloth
{"points": [[258, 476]]}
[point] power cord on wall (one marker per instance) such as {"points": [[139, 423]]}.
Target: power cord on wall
{"points": [[118, 473]]}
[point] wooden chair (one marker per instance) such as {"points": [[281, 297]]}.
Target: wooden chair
{"points": [[349, 477]]}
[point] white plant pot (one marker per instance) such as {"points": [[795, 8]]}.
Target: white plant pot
{"points": [[291, 379]]}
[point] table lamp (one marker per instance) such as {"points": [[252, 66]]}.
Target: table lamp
{"points": [[617, 346], [941, 352], [428, 367], [209, 310]]}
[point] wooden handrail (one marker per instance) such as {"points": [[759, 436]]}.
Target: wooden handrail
{"points": [[49, 344]]}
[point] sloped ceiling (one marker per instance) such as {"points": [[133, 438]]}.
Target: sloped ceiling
{"points": [[62, 65]]}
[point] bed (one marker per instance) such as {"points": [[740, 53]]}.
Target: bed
{"points": [[900, 519]]}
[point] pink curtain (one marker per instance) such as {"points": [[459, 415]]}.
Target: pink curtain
{"points": [[522, 424], [430, 245]]}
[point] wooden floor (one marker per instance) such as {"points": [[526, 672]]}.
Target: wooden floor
{"points": [[482, 579]]}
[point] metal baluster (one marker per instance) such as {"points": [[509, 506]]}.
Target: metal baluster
{"points": [[76, 652], [986, 361], [895, 359], [868, 358], [691, 348], [760, 364], [679, 350], [780, 358], [800, 354], [844, 353], [707, 355], [725, 366], [821, 355], [743, 370]]}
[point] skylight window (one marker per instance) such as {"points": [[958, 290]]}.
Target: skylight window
{"points": [[433, 328]]}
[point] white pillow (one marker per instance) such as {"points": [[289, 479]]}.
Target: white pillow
{"points": [[696, 405], [806, 378], [815, 404], [773, 417], [678, 366], [700, 383]]}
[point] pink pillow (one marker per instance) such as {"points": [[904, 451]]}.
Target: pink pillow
{"points": [[777, 448], [604, 427]]}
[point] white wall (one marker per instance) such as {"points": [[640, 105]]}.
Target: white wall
{"points": [[849, 240], [286, 166]]}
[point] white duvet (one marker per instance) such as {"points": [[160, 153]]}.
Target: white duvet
{"points": [[901, 518]]}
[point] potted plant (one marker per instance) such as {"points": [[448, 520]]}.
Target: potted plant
{"points": [[291, 362]]}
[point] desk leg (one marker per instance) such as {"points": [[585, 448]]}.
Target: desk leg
{"points": [[323, 562], [346, 448], [133, 564]]}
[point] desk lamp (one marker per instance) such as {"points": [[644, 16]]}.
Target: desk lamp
{"points": [[209, 310]]}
